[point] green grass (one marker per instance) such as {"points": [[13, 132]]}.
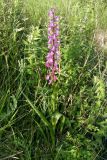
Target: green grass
{"points": [[66, 120]]}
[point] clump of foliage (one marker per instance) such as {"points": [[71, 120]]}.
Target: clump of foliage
{"points": [[63, 121]]}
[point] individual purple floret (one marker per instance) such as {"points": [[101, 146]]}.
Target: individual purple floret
{"points": [[53, 57]]}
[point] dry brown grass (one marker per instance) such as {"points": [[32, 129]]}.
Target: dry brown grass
{"points": [[100, 37]]}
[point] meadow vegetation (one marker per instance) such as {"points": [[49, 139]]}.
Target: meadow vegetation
{"points": [[68, 119]]}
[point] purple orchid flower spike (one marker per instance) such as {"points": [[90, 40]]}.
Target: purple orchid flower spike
{"points": [[53, 57]]}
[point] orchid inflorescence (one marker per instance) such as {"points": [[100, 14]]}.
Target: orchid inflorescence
{"points": [[53, 57]]}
